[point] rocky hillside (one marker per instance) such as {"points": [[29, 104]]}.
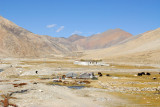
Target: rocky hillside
{"points": [[75, 37], [103, 40], [140, 48], [19, 42]]}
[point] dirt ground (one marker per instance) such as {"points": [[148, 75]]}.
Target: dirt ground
{"points": [[121, 88]]}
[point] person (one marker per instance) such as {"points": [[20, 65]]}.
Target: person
{"points": [[36, 72]]}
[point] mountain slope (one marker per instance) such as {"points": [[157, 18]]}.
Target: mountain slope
{"points": [[103, 40], [75, 37], [18, 42], [144, 47]]}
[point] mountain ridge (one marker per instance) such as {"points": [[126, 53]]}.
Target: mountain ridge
{"points": [[143, 48], [103, 40], [19, 42], [16, 41]]}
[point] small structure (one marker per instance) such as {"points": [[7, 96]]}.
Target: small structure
{"points": [[71, 75], [1, 70], [63, 76], [85, 76], [91, 62]]}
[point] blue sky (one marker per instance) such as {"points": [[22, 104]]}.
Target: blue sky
{"points": [[61, 18]]}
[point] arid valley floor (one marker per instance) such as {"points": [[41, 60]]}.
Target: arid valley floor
{"points": [[22, 87], [80, 53]]}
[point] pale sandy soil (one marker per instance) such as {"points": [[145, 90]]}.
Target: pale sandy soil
{"points": [[42, 95]]}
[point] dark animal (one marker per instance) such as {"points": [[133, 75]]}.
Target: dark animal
{"points": [[154, 78], [148, 73], [36, 72], [139, 74], [35, 83], [100, 74], [143, 73], [107, 75], [92, 73]]}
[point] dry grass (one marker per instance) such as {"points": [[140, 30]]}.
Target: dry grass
{"points": [[136, 98], [36, 77], [69, 84], [131, 67], [58, 64], [142, 99]]}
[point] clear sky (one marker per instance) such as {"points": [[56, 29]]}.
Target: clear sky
{"points": [[61, 18]]}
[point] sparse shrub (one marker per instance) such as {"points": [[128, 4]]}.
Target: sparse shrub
{"points": [[94, 78]]}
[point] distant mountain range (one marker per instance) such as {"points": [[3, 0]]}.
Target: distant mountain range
{"points": [[101, 40], [16, 41], [143, 48], [19, 42]]}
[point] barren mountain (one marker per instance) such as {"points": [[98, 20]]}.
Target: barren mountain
{"points": [[18, 42], [103, 40], [75, 37], [140, 48]]}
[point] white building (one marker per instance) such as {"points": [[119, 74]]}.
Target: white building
{"points": [[91, 62]]}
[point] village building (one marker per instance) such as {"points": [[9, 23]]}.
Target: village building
{"points": [[91, 62], [86, 75], [1, 70], [71, 75]]}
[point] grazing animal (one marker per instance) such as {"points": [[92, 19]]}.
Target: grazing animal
{"points": [[139, 74], [36, 72], [143, 73], [92, 73], [35, 83], [154, 78], [107, 75], [100, 75], [148, 73]]}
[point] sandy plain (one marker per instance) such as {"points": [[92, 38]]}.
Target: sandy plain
{"points": [[121, 89]]}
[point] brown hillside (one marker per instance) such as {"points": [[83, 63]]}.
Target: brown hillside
{"points": [[16, 41], [75, 37], [143, 48], [103, 40]]}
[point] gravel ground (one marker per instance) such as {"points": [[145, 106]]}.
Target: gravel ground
{"points": [[42, 95]]}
